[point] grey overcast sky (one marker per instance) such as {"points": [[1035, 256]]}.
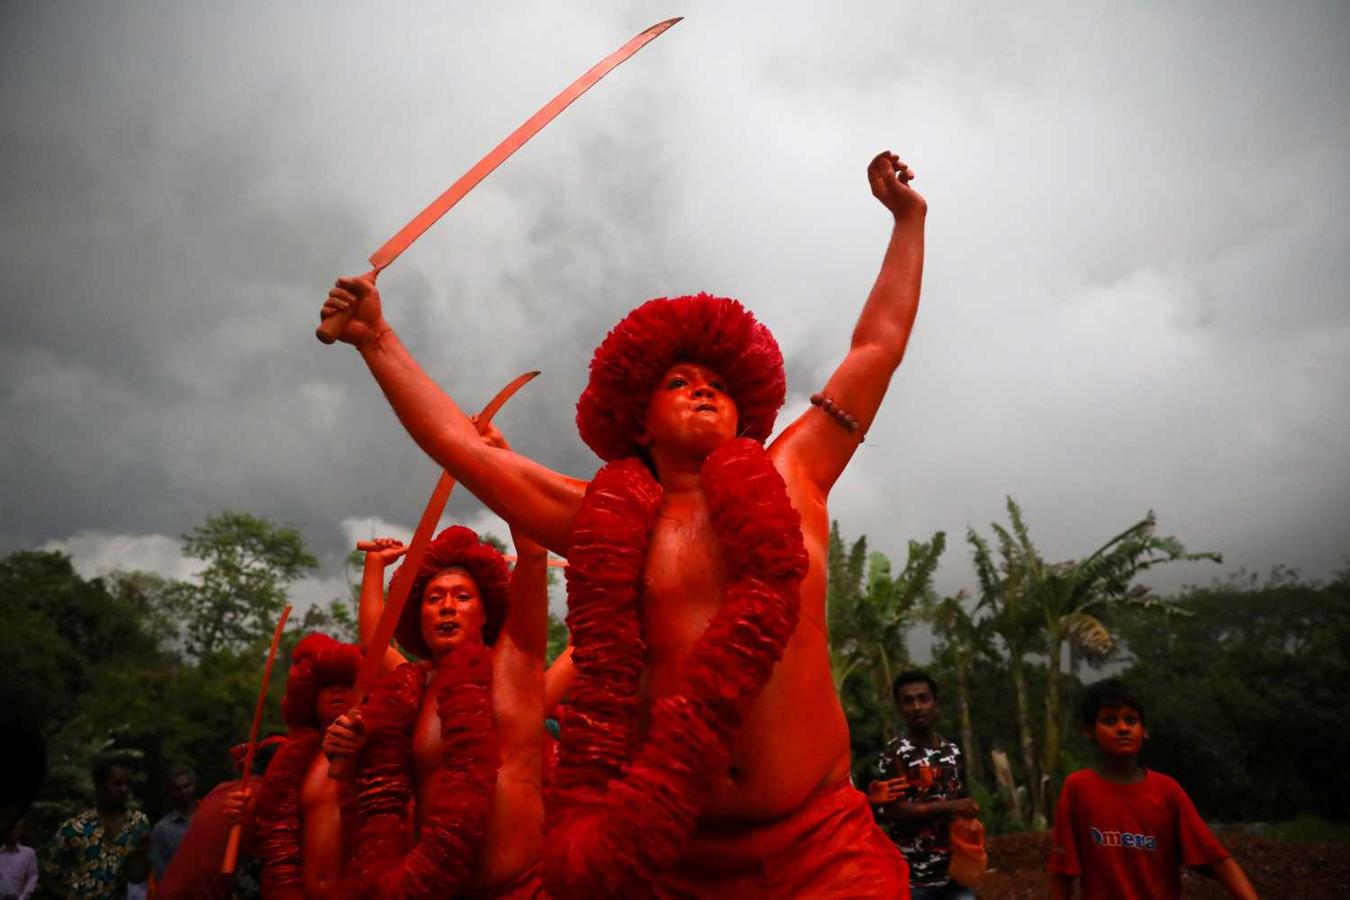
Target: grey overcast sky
{"points": [[1136, 293]]}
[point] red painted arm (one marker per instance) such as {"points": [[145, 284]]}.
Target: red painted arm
{"points": [[557, 680], [816, 443], [536, 499], [380, 553]]}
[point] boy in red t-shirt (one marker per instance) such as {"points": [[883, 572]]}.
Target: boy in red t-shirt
{"points": [[1124, 830]]}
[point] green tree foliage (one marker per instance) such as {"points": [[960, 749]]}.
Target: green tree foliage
{"points": [[869, 612], [960, 640], [167, 671], [240, 593], [1076, 598], [1245, 697], [1012, 618], [557, 637]]}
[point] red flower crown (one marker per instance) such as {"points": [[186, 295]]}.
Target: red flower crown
{"points": [[457, 547], [317, 661], [716, 332]]}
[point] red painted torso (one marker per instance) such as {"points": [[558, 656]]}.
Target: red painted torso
{"points": [[321, 831], [795, 738]]}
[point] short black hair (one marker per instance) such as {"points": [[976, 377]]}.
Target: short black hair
{"points": [[179, 771], [912, 676], [105, 762], [1109, 692]]}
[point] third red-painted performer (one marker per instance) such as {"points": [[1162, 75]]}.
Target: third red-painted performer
{"points": [[299, 829], [705, 751]]}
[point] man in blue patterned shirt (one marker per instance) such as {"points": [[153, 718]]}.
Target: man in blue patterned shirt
{"points": [[89, 850], [919, 788]]}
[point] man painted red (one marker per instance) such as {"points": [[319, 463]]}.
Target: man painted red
{"points": [[705, 751], [298, 814]]}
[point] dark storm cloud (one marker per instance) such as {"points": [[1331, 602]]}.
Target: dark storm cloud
{"points": [[1135, 294]]}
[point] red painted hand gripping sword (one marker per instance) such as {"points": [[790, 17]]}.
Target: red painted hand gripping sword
{"points": [[333, 325]]}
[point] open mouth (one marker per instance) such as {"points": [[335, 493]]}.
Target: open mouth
{"points": [[447, 628], [706, 407]]}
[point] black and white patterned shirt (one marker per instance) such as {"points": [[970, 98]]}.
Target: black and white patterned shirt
{"points": [[926, 845]]}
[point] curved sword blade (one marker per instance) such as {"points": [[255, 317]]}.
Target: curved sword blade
{"points": [[453, 194]]}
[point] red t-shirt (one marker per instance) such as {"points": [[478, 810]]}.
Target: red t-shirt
{"points": [[1128, 841]]}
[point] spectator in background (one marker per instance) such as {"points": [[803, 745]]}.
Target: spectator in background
{"points": [[920, 786], [18, 866], [168, 834], [90, 849]]}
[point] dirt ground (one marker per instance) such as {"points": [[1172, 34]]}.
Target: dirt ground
{"points": [[1277, 869]]}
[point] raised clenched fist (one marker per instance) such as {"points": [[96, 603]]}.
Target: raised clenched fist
{"points": [[890, 177]]}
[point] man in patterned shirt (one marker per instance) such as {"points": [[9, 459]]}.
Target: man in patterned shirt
{"points": [[88, 851], [919, 788]]}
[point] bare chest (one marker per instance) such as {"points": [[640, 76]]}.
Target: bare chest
{"points": [[427, 737], [318, 789], [684, 579]]}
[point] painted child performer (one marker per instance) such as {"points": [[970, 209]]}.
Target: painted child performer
{"points": [[705, 751]]}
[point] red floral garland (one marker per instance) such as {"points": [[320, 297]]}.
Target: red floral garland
{"points": [[278, 816], [620, 815], [386, 862]]}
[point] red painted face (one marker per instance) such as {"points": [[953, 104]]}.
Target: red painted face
{"points": [[452, 612], [1119, 731], [690, 410], [332, 701]]}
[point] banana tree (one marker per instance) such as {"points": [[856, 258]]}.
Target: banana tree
{"points": [[869, 612], [1073, 598], [961, 638], [1014, 621]]}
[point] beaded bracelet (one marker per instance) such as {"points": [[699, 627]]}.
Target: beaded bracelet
{"points": [[829, 406]]}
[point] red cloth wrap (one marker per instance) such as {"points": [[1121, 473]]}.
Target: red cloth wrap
{"points": [[829, 847], [386, 861], [620, 815]]}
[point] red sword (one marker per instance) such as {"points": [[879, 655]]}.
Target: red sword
{"points": [[407, 572], [333, 325], [232, 847]]}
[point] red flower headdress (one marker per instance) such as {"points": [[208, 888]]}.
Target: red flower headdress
{"points": [[317, 661], [713, 331], [621, 814], [457, 547]]}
